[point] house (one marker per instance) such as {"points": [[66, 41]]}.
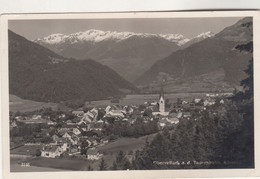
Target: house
{"points": [[19, 118], [55, 138], [87, 118], [62, 116], [208, 102], [100, 121], [153, 103], [173, 120], [51, 123], [67, 135], [92, 142], [186, 114], [63, 146], [175, 114], [76, 131], [70, 123], [74, 150], [116, 113], [125, 119], [162, 124], [93, 154], [128, 109], [221, 101], [78, 113], [36, 117], [156, 113], [94, 112], [197, 100], [34, 121], [64, 129], [104, 141], [13, 124], [74, 140], [51, 151], [110, 108]]}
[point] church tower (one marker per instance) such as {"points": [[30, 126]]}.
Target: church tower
{"points": [[161, 101]]}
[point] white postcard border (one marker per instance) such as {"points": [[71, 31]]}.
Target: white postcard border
{"points": [[128, 174]]}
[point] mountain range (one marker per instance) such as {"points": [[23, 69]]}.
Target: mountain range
{"points": [[38, 74], [128, 53], [208, 62], [213, 63]]}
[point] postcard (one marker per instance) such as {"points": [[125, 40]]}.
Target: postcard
{"points": [[130, 95]]}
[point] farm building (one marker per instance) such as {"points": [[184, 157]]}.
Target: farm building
{"points": [[93, 154], [51, 151]]}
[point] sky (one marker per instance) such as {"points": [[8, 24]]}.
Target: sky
{"points": [[188, 27]]}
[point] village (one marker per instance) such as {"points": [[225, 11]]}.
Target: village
{"points": [[81, 133]]}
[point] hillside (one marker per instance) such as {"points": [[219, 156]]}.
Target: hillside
{"points": [[199, 61], [38, 74]]}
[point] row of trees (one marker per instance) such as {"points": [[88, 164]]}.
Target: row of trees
{"points": [[125, 129]]}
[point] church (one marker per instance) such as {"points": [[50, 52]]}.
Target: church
{"points": [[161, 104]]}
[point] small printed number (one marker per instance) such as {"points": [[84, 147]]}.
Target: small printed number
{"points": [[25, 164]]}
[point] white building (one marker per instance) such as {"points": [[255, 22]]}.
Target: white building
{"points": [[51, 151], [161, 103]]}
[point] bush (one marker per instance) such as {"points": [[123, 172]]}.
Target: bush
{"points": [[38, 152]]}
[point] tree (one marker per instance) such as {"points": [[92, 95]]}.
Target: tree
{"points": [[114, 167], [38, 152], [179, 101], [90, 168], [167, 103], [121, 162], [101, 113], [83, 147], [46, 139], [102, 165], [148, 112], [241, 141]]}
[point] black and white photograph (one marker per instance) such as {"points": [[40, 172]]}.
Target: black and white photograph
{"points": [[131, 93]]}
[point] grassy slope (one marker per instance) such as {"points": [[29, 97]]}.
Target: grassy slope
{"points": [[26, 150], [38, 74], [123, 144], [22, 105]]}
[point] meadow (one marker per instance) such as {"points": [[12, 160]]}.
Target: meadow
{"points": [[26, 150], [22, 105], [138, 99]]}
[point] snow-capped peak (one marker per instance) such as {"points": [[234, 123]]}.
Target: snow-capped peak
{"points": [[96, 36], [206, 35], [53, 38], [177, 38]]}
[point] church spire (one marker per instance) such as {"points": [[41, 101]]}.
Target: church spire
{"points": [[161, 92], [161, 101]]}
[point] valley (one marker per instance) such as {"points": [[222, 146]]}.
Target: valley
{"points": [[99, 100]]}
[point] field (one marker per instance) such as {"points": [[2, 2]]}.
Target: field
{"points": [[26, 150], [137, 99], [18, 104], [19, 168], [60, 163], [22, 105], [125, 145], [38, 164]]}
